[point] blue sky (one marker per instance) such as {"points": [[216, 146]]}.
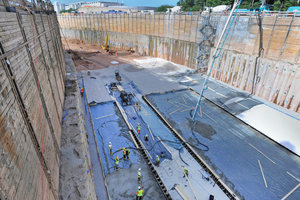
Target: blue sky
{"points": [[154, 3]]}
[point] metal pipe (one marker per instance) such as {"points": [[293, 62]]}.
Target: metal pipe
{"points": [[204, 87]]}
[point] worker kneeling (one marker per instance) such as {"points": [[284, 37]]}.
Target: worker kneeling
{"points": [[139, 194]]}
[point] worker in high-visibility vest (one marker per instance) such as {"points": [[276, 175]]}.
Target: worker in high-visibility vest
{"points": [[127, 154], [124, 154], [139, 175], [81, 92], [110, 148], [186, 172], [157, 161], [117, 162], [139, 194], [138, 129], [146, 138]]}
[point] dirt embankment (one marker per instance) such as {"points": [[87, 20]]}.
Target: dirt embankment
{"points": [[92, 57]]}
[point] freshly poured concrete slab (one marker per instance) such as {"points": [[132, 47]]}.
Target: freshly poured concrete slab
{"points": [[234, 148]]}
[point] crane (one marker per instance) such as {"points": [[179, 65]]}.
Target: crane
{"points": [[106, 46]]}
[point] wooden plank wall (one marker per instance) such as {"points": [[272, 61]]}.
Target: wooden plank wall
{"points": [[40, 64]]}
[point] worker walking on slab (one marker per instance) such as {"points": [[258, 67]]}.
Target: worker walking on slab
{"points": [[186, 172], [146, 138], [157, 161], [139, 194], [138, 129], [110, 148], [124, 154], [127, 154], [81, 92], [117, 162], [139, 175]]}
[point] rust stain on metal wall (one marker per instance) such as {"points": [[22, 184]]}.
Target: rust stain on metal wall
{"points": [[277, 82]]}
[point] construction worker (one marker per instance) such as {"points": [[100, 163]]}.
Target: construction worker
{"points": [[127, 154], [124, 154], [139, 175], [146, 138], [157, 161], [186, 172], [110, 148], [117, 162], [139, 194], [81, 92], [138, 129]]}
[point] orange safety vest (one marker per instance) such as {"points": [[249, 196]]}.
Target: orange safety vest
{"points": [[81, 90]]}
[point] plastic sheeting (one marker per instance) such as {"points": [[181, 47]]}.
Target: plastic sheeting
{"points": [[230, 155]]}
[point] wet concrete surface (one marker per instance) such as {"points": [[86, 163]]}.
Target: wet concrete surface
{"points": [[230, 153]]}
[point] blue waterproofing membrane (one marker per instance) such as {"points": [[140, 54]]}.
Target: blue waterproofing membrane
{"points": [[112, 129], [230, 154], [152, 120]]}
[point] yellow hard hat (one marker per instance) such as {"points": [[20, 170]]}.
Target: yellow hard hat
{"points": [[117, 157], [127, 149], [123, 148]]}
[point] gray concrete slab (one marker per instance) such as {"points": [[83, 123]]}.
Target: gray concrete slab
{"points": [[100, 189]]}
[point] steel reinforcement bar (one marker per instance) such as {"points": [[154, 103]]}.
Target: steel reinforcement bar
{"points": [[203, 164], [138, 144]]}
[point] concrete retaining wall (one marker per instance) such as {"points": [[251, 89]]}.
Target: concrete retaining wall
{"points": [[31, 99], [174, 38]]}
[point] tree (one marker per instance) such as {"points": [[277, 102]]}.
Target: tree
{"points": [[163, 8], [68, 11], [277, 5], [289, 3]]}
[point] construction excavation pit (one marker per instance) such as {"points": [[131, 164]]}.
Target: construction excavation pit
{"points": [[141, 106]]}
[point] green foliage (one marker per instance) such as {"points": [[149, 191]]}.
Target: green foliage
{"points": [[163, 8], [277, 5], [289, 3], [68, 11], [196, 5]]}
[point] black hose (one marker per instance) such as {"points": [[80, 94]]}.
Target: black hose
{"points": [[134, 148], [181, 157]]}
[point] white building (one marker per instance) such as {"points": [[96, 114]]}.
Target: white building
{"points": [[58, 7]]}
